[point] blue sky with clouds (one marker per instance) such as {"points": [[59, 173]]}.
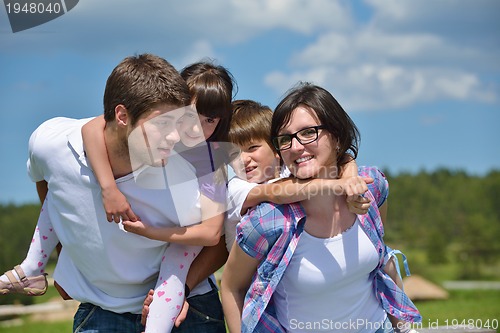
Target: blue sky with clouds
{"points": [[421, 79]]}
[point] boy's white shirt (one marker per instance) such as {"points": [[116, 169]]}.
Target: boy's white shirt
{"points": [[237, 192]]}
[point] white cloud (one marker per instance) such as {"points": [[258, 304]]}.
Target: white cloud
{"points": [[200, 50], [366, 87], [378, 66], [407, 51], [96, 26]]}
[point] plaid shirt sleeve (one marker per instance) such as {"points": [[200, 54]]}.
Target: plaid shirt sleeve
{"points": [[257, 230]]}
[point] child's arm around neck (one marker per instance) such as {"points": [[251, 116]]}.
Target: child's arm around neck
{"points": [[115, 204]]}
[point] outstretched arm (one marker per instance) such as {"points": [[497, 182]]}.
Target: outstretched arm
{"points": [[293, 190], [115, 203]]}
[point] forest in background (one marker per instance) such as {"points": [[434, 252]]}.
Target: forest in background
{"points": [[446, 222]]}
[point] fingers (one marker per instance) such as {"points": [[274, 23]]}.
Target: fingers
{"points": [[145, 306], [114, 217], [129, 226], [182, 315], [127, 215], [144, 314], [359, 206], [357, 186], [149, 298], [121, 214], [368, 180], [359, 211], [354, 191], [130, 215]]}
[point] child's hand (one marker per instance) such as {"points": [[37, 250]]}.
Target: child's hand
{"points": [[116, 206], [145, 306], [358, 205], [139, 228], [149, 299], [354, 188], [182, 315]]}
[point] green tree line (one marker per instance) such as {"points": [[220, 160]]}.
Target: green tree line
{"points": [[449, 215]]}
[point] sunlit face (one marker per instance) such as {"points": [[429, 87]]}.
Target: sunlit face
{"points": [[196, 128], [154, 135], [316, 159], [257, 162]]}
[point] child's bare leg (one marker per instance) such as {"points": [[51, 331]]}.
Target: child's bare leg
{"points": [[169, 292]]}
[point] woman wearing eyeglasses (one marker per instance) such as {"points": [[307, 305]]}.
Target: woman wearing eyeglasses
{"points": [[314, 266]]}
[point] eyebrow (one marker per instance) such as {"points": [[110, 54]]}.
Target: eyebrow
{"points": [[164, 117]]}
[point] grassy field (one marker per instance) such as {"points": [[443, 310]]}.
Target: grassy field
{"points": [[464, 306], [481, 307]]}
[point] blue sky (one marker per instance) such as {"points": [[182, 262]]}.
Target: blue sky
{"points": [[421, 79]]}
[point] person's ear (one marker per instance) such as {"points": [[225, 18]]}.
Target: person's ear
{"points": [[121, 115]]}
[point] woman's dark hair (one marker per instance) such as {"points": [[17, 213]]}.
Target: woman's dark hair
{"points": [[329, 113], [211, 87]]}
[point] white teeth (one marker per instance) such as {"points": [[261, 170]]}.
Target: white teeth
{"points": [[303, 159]]}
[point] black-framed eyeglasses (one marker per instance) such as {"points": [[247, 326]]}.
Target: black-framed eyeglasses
{"points": [[304, 136]]}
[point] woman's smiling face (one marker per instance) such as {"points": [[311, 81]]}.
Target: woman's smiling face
{"points": [[316, 159]]}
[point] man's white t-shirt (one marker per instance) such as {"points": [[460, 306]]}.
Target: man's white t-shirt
{"points": [[100, 263]]}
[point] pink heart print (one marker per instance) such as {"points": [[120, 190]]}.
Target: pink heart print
{"points": [[161, 293]]}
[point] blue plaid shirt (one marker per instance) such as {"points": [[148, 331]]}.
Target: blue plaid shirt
{"points": [[271, 232]]}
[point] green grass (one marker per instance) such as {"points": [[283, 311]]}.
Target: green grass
{"points": [[40, 327], [462, 306]]}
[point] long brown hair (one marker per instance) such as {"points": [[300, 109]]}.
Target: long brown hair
{"points": [[211, 87]]}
